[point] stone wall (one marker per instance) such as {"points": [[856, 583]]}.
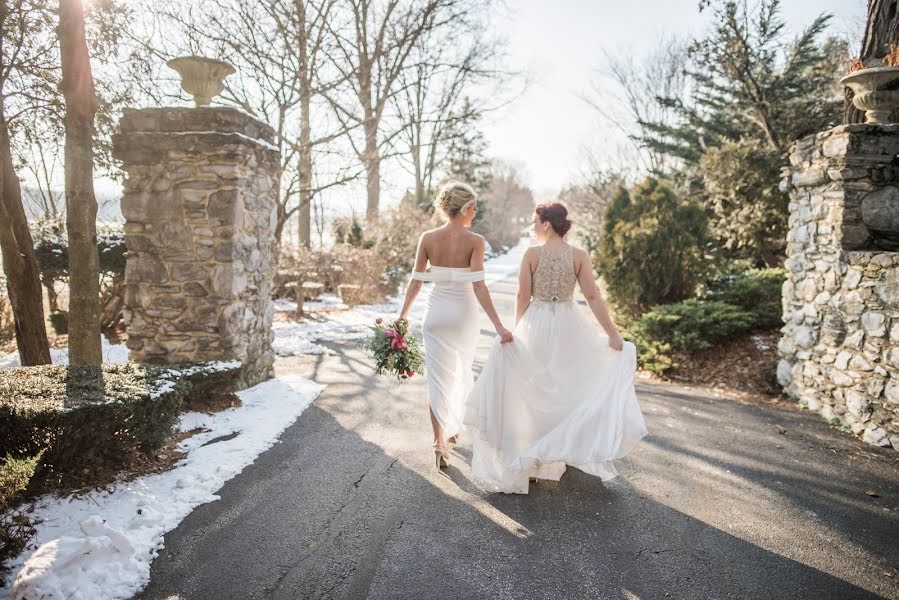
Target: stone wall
{"points": [[199, 203], [840, 348]]}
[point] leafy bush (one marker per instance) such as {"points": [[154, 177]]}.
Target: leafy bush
{"points": [[653, 248], [52, 252], [349, 231], [15, 473], [364, 267], [748, 209], [685, 326], [92, 416], [52, 249], [757, 291], [59, 320]]}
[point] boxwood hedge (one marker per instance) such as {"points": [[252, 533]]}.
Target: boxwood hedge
{"points": [[90, 416]]}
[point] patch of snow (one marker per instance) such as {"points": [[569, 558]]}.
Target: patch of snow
{"points": [[324, 302], [293, 340], [100, 545], [213, 366], [112, 353], [284, 305]]}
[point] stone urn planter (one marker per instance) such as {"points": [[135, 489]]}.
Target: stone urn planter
{"points": [[876, 91], [201, 77]]}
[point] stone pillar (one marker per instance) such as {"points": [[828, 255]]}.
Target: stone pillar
{"points": [[840, 348], [199, 203]]}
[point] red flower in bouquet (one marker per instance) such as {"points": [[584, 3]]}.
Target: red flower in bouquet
{"points": [[397, 340], [393, 350]]}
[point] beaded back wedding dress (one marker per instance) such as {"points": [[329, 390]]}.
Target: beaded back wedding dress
{"points": [[557, 395]]}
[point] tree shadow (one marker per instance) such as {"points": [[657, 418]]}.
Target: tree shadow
{"points": [[756, 458]]}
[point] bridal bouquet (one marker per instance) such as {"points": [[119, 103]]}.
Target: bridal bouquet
{"points": [[393, 352]]}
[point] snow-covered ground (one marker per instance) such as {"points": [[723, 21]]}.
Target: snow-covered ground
{"points": [[112, 353], [101, 545]]}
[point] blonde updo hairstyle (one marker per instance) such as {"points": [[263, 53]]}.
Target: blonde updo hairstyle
{"points": [[453, 197]]}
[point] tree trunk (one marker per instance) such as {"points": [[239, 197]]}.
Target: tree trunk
{"points": [[305, 153], [372, 162], [23, 280], [305, 168], [280, 222], [881, 30], [420, 193], [81, 204]]}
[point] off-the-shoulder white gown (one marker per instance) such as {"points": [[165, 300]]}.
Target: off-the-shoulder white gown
{"points": [[556, 395], [450, 332]]}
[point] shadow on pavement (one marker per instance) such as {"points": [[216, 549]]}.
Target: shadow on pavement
{"points": [[348, 505]]}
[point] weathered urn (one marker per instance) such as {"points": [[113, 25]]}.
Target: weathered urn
{"points": [[201, 77], [876, 91]]}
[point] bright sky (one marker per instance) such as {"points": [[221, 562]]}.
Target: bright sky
{"points": [[561, 43]]}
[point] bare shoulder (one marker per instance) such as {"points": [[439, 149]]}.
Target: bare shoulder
{"points": [[477, 241], [531, 257], [475, 237], [427, 236], [531, 253]]}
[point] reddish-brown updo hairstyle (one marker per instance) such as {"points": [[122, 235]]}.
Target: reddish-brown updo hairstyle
{"points": [[556, 215]]}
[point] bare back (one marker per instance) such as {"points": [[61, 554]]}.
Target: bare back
{"points": [[450, 247]]}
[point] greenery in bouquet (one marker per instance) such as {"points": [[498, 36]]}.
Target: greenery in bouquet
{"points": [[393, 350]]}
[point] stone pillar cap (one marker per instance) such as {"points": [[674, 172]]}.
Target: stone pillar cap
{"points": [[176, 119], [148, 135]]}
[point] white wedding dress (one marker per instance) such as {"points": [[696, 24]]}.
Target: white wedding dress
{"points": [[556, 395], [450, 332]]}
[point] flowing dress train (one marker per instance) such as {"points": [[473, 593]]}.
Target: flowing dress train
{"points": [[556, 395]]}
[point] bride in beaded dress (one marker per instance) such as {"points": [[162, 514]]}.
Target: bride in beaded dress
{"points": [[562, 393]]}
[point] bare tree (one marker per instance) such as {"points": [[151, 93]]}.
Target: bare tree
{"points": [[26, 83], [43, 162], [81, 204], [374, 40], [433, 96], [633, 101], [278, 48], [587, 201], [881, 30], [506, 206]]}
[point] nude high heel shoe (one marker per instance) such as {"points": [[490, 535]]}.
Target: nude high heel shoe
{"points": [[441, 456]]}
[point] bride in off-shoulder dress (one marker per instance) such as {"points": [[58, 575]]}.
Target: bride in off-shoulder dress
{"points": [[450, 328]]}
